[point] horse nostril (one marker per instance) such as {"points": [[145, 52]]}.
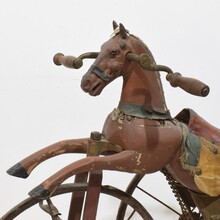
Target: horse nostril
{"points": [[85, 83]]}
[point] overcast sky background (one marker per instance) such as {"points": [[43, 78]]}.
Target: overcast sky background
{"points": [[42, 103]]}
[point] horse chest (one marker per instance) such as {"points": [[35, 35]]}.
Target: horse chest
{"points": [[159, 140]]}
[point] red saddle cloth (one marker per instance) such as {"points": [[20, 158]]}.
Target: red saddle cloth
{"points": [[199, 126]]}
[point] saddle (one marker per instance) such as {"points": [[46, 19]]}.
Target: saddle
{"points": [[201, 156], [201, 152], [198, 126]]}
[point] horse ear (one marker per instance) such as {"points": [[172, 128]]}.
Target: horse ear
{"points": [[115, 25], [123, 31]]}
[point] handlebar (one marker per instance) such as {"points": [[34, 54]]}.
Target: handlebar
{"points": [[190, 85], [71, 61]]}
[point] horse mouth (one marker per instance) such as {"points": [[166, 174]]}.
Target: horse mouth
{"points": [[92, 86], [96, 89]]}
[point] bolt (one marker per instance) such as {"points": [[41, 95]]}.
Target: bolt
{"points": [[95, 135], [198, 171]]}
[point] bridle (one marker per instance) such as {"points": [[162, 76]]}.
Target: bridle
{"points": [[100, 73]]}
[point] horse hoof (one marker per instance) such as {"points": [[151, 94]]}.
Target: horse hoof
{"points": [[18, 171], [39, 191]]}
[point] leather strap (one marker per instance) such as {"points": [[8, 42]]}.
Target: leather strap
{"points": [[142, 111], [100, 73]]}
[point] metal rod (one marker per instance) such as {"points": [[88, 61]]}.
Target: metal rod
{"points": [[72, 61], [158, 200], [146, 63]]}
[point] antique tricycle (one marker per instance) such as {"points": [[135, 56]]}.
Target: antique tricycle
{"points": [[139, 136]]}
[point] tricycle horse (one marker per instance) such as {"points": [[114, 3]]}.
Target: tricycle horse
{"points": [[140, 136]]}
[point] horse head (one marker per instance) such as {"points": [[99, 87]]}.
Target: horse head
{"points": [[110, 63]]}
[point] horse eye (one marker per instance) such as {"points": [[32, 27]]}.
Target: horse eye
{"points": [[113, 53]]}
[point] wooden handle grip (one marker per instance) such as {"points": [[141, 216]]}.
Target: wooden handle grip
{"points": [[190, 85], [67, 61]]}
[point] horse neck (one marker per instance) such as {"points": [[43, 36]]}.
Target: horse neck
{"points": [[143, 88]]}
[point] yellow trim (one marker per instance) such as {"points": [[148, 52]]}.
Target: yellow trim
{"points": [[209, 163]]}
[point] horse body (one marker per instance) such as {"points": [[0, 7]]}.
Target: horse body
{"points": [[142, 121], [157, 141]]}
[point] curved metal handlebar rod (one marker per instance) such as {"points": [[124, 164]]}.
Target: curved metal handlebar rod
{"points": [[190, 85], [146, 63], [71, 61]]}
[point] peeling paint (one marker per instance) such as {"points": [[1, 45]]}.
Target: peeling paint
{"points": [[59, 152], [120, 168], [139, 159]]}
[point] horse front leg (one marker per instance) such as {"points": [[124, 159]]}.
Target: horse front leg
{"points": [[25, 167], [126, 161]]}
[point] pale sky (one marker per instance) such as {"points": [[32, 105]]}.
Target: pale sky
{"points": [[42, 103]]}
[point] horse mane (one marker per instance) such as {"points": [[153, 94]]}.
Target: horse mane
{"points": [[145, 46]]}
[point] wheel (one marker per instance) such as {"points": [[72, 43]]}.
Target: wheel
{"points": [[30, 202], [130, 189]]}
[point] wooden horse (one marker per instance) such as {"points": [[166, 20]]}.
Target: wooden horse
{"points": [[145, 136]]}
